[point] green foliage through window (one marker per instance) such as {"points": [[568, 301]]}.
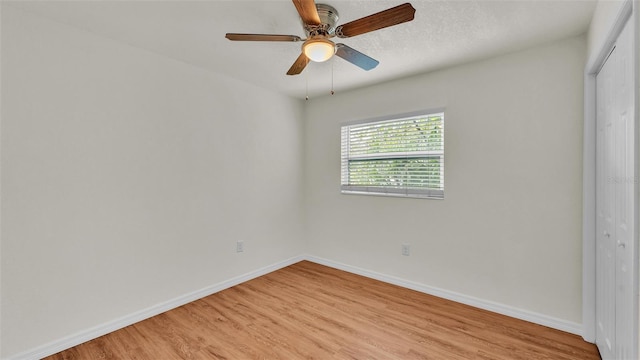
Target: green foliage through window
{"points": [[403, 157]]}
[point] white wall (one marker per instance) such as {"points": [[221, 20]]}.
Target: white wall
{"points": [[127, 178], [509, 228]]}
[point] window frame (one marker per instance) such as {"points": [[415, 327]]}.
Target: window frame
{"points": [[426, 193]]}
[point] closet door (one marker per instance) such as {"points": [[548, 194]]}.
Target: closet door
{"points": [[625, 179], [605, 211], [615, 203]]}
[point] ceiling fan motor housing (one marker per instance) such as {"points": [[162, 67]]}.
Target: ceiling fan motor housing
{"points": [[328, 19]]}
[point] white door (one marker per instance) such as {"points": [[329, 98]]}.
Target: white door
{"points": [[623, 118], [605, 207], [615, 201]]}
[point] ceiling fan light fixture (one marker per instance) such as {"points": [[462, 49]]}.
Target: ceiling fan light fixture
{"points": [[318, 49]]}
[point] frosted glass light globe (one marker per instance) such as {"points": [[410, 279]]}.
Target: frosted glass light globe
{"points": [[318, 50]]}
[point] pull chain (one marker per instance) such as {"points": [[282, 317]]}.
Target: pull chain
{"points": [[332, 62], [306, 79]]}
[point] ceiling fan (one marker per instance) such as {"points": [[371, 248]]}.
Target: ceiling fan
{"points": [[319, 23]]}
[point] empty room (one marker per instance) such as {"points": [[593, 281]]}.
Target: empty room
{"points": [[277, 179]]}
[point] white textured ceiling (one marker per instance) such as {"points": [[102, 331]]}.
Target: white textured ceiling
{"points": [[443, 33]]}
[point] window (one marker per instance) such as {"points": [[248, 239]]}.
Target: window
{"points": [[394, 157]]}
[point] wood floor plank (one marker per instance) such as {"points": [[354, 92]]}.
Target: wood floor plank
{"points": [[309, 311]]}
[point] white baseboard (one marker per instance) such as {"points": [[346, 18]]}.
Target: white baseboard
{"points": [[97, 331], [540, 319]]}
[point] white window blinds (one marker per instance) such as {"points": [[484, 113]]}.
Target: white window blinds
{"points": [[399, 157]]}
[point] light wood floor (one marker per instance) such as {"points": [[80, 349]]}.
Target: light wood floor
{"points": [[308, 311]]}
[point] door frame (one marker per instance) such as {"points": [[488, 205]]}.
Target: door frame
{"points": [[628, 12]]}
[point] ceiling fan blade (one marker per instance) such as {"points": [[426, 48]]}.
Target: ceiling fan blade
{"points": [[356, 57], [394, 16], [308, 12], [299, 65], [261, 37]]}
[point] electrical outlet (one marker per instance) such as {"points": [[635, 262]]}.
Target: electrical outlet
{"points": [[240, 246], [406, 249]]}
